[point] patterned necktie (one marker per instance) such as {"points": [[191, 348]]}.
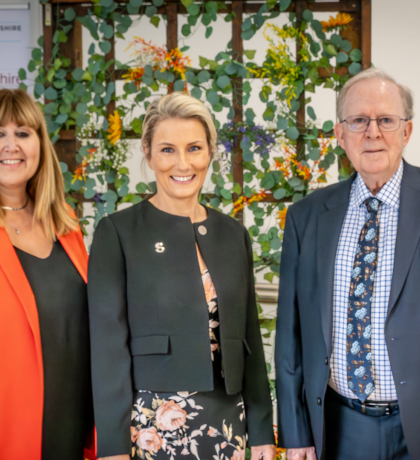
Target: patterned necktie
{"points": [[359, 329]]}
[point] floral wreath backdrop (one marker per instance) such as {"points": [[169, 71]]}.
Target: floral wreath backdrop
{"points": [[275, 164]]}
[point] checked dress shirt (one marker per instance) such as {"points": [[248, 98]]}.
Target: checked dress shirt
{"points": [[354, 221]]}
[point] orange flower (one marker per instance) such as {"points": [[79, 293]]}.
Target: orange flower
{"points": [[340, 20], [159, 58], [303, 171], [245, 201], [281, 216], [115, 127], [279, 450], [81, 170], [134, 75]]}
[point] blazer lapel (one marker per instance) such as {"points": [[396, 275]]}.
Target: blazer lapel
{"points": [[75, 248], [10, 264], [330, 222], [408, 232]]}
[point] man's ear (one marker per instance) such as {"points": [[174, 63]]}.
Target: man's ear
{"points": [[408, 130], [339, 134]]}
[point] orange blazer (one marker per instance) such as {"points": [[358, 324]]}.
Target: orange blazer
{"points": [[21, 364]]}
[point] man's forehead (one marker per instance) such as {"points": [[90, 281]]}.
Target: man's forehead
{"points": [[374, 94]]}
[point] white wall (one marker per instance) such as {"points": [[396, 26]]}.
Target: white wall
{"points": [[395, 40], [36, 17]]}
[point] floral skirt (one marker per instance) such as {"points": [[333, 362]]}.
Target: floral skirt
{"points": [[203, 425]]}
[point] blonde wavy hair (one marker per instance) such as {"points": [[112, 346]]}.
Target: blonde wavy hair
{"points": [[46, 187], [177, 105]]}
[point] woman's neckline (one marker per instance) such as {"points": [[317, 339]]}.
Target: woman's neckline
{"points": [[178, 216], [36, 257]]}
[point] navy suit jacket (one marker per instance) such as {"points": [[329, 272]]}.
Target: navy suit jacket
{"points": [[304, 322]]}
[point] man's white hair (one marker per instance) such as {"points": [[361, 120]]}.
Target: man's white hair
{"points": [[406, 93]]}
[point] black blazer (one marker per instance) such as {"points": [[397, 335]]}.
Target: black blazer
{"points": [[304, 321], [149, 317]]}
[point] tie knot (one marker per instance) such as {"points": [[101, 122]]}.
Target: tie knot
{"points": [[372, 204]]}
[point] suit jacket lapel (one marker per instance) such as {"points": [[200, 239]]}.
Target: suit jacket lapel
{"points": [[75, 248], [330, 222], [408, 232], [10, 264]]}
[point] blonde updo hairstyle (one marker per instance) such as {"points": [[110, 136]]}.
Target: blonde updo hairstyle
{"points": [[46, 187], [177, 105]]}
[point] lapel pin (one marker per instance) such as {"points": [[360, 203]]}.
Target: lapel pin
{"points": [[159, 247]]}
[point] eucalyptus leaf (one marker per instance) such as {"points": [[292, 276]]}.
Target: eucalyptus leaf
{"points": [[151, 11], [223, 81], [203, 76], [213, 97], [345, 45], [39, 89], [284, 4], [342, 57], [356, 55], [186, 30], [355, 68], [196, 92], [61, 118], [69, 14], [247, 34], [282, 123], [230, 69], [179, 85], [209, 31], [50, 93], [279, 193], [81, 108], [311, 112], [307, 15], [328, 126], [194, 9], [105, 47], [292, 133]]}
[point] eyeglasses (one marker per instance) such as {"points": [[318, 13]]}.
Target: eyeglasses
{"points": [[386, 123]]}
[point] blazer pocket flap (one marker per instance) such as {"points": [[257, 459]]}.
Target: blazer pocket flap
{"points": [[248, 350], [150, 345]]}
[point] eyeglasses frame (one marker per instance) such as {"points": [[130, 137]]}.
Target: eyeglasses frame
{"points": [[374, 119]]}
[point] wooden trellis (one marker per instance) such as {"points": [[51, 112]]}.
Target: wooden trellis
{"points": [[358, 33]]}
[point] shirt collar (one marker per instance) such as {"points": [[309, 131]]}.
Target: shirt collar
{"points": [[389, 193]]}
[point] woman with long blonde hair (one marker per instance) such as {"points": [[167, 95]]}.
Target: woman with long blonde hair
{"points": [[45, 386]]}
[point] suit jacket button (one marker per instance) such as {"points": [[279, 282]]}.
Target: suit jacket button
{"points": [[319, 401], [326, 361], [202, 230]]}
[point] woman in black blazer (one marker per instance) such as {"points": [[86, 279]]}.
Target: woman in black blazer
{"points": [[177, 357]]}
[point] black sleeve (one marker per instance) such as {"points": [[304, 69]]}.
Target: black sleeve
{"points": [[293, 421], [256, 389], [111, 359]]}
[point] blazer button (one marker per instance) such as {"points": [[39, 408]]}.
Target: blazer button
{"points": [[319, 401], [202, 230], [326, 361]]}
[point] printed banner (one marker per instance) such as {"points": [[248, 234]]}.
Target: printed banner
{"points": [[15, 42]]}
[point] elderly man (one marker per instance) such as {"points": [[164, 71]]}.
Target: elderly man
{"points": [[348, 328]]}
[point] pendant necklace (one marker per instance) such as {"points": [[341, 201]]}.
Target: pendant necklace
{"points": [[7, 208]]}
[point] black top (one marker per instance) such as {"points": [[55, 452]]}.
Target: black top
{"points": [[61, 299], [149, 317]]}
